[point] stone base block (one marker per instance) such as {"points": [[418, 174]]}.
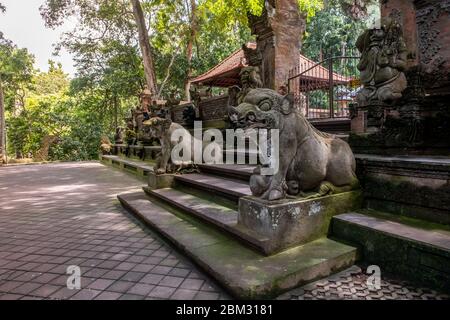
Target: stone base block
{"points": [[418, 186], [159, 181], [409, 248], [288, 223]]}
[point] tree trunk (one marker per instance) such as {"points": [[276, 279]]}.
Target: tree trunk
{"points": [[2, 125], [144, 43], [116, 113], [190, 44]]}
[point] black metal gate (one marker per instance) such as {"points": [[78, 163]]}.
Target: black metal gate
{"points": [[325, 90]]}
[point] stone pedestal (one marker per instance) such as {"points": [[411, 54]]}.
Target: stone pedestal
{"points": [[287, 223], [159, 181]]}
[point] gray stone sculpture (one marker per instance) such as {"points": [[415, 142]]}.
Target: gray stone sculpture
{"points": [[383, 63], [312, 163], [163, 129], [250, 79]]}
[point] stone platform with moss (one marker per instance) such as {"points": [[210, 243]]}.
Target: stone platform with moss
{"points": [[244, 272], [199, 214], [413, 248], [139, 168], [415, 186]]}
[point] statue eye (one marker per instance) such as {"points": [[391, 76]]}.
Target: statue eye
{"points": [[265, 106]]}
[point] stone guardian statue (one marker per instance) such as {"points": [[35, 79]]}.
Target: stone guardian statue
{"points": [[383, 64]]}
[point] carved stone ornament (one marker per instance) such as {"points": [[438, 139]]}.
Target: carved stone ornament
{"points": [[383, 64]]}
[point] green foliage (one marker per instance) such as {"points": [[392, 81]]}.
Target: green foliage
{"points": [[110, 74], [310, 7], [77, 119], [225, 13], [16, 69], [331, 33]]}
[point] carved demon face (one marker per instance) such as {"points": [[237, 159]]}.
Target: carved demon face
{"points": [[261, 108], [156, 127]]}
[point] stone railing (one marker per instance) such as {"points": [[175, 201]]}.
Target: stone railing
{"points": [[214, 108], [210, 109]]}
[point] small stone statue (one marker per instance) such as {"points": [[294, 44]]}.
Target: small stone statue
{"points": [[163, 129], [383, 63], [233, 93], [118, 137], [105, 145], [130, 133], [250, 79], [142, 112], [189, 115]]}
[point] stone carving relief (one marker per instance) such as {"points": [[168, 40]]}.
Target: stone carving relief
{"points": [[383, 64], [250, 79], [426, 18], [433, 52]]}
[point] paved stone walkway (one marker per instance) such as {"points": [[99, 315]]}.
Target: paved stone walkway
{"points": [[351, 284], [57, 215]]}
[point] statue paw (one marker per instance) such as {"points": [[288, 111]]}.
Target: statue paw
{"points": [[275, 195], [160, 171]]}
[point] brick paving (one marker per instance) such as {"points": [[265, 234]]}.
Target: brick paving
{"points": [[56, 215], [351, 284]]}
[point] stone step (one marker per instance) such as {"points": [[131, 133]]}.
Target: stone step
{"points": [[237, 171], [408, 247], [244, 154], [413, 186], [245, 273], [140, 167], [223, 218], [231, 189]]}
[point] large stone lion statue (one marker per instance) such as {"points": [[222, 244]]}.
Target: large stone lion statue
{"points": [[311, 163]]}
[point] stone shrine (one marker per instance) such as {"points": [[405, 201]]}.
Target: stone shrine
{"points": [[416, 119]]}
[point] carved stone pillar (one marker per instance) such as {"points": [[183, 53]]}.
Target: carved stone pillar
{"points": [[278, 34]]}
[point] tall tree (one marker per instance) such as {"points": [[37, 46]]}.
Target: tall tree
{"points": [[192, 34], [144, 43], [2, 124], [331, 32], [16, 69], [2, 110]]}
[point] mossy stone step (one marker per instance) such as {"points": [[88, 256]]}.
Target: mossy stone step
{"points": [[223, 218], [402, 247], [243, 272], [232, 189], [234, 171], [133, 163], [140, 168]]}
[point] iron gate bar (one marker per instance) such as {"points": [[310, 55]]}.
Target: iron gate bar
{"points": [[319, 63], [316, 78]]}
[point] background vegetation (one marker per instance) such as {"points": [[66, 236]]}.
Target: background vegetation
{"points": [[187, 37]]}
